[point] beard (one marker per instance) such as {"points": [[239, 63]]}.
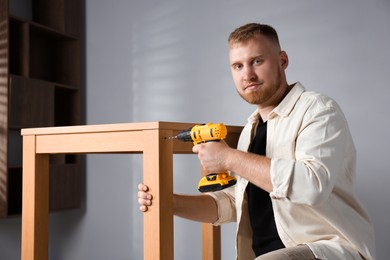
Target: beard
{"points": [[253, 98], [264, 93]]}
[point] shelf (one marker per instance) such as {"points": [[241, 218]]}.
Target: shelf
{"points": [[52, 83], [14, 148], [40, 46], [67, 111], [43, 28], [31, 103], [64, 182], [52, 58], [60, 15], [41, 52], [18, 47], [42, 103], [15, 190], [64, 188]]}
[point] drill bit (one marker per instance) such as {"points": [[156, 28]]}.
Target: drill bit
{"points": [[170, 137]]}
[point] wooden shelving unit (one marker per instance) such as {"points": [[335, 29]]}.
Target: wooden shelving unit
{"points": [[40, 86]]}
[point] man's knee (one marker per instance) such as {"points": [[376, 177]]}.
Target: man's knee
{"points": [[301, 252]]}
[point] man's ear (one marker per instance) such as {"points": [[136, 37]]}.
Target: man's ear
{"points": [[283, 57]]}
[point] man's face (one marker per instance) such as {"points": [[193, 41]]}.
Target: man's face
{"points": [[257, 67]]}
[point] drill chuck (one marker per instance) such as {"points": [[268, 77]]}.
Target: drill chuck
{"points": [[185, 135]]}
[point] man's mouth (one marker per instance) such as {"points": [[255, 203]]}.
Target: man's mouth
{"points": [[252, 86]]}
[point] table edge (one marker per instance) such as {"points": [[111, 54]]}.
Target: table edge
{"points": [[116, 127]]}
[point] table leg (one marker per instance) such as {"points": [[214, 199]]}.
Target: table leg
{"points": [[158, 175], [35, 208], [211, 239], [211, 242]]}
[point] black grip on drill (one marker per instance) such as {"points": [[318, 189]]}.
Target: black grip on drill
{"points": [[185, 135]]}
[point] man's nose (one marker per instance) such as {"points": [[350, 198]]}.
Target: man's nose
{"points": [[249, 74]]}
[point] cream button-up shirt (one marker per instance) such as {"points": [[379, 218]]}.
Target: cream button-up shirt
{"points": [[313, 175]]}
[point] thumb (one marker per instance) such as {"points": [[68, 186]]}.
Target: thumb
{"points": [[195, 149]]}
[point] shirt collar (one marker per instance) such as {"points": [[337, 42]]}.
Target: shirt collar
{"points": [[285, 107]]}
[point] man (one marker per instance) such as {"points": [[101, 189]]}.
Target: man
{"points": [[295, 166]]}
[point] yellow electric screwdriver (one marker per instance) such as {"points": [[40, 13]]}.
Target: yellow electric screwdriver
{"points": [[208, 133]]}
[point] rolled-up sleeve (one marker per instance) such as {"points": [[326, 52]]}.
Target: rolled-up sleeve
{"points": [[306, 172], [226, 205]]}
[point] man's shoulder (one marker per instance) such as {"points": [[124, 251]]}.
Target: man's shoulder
{"points": [[317, 99], [311, 102], [309, 94]]}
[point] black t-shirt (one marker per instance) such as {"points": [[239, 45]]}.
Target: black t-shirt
{"points": [[265, 236]]}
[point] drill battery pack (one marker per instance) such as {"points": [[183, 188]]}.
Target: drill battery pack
{"points": [[216, 181]]}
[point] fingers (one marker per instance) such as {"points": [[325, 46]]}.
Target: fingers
{"points": [[143, 208], [144, 198], [195, 148], [212, 156], [142, 187]]}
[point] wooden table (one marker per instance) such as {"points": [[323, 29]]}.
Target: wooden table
{"points": [[146, 138]]}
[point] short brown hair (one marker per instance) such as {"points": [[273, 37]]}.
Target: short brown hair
{"points": [[250, 30]]}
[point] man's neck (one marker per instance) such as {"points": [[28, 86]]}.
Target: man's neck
{"points": [[264, 111]]}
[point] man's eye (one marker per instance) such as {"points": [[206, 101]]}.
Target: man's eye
{"points": [[257, 61], [237, 66]]}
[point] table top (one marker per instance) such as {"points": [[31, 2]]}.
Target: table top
{"points": [[117, 127]]}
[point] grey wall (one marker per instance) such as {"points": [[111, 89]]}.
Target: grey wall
{"points": [[168, 61]]}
